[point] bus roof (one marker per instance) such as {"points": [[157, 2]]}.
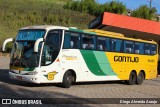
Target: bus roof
{"points": [[105, 33], [110, 34], [47, 27], [88, 31]]}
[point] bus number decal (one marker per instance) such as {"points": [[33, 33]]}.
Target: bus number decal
{"points": [[151, 60]]}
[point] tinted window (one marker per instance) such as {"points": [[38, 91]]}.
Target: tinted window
{"points": [[128, 47], [71, 40], [147, 49], [153, 49], [116, 45], [136, 48], [139, 48], [52, 47], [88, 42], [108, 44], [101, 44]]}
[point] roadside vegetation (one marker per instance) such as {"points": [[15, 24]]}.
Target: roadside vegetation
{"points": [[93, 8], [15, 14]]}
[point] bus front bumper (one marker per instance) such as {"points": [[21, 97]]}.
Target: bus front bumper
{"points": [[27, 78]]}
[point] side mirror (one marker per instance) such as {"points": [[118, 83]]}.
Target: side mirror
{"points": [[5, 42], [37, 44]]}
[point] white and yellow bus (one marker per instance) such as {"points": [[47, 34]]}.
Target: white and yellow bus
{"points": [[54, 54]]}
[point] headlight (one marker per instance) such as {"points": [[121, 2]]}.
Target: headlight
{"points": [[11, 71], [31, 73]]}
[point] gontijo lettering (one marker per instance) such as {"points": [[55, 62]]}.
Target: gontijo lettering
{"points": [[126, 59]]}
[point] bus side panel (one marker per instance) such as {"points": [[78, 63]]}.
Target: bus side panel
{"points": [[123, 64], [99, 66], [88, 65]]}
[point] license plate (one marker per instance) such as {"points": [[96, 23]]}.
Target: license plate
{"points": [[19, 78]]}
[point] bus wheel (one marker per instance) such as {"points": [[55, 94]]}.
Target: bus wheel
{"points": [[132, 78], [140, 78], [67, 79]]}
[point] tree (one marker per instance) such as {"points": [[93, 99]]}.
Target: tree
{"points": [[144, 12], [93, 8], [115, 7], [152, 12]]}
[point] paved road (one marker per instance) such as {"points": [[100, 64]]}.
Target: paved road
{"points": [[15, 89]]}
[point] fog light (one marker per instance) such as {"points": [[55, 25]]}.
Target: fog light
{"points": [[34, 79]]}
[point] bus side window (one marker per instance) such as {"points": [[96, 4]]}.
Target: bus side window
{"points": [[88, 42], [136, 48], [113, 45], [153, 49], [117, 45], [108, 44], [67, 38], [75, 42], [147, 49], [71, 40], [141, 48], [128, 47], [101, 44]]}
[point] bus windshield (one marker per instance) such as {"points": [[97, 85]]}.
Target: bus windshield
{"points": [[23, 54]]}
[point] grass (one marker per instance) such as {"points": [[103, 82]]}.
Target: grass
{"points": [[15, 14]]}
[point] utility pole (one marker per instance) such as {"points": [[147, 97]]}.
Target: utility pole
{"points": [[150, 4]]}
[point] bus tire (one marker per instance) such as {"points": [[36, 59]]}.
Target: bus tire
{"points": [[67, 79], [132, 78], [140, 78]]}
